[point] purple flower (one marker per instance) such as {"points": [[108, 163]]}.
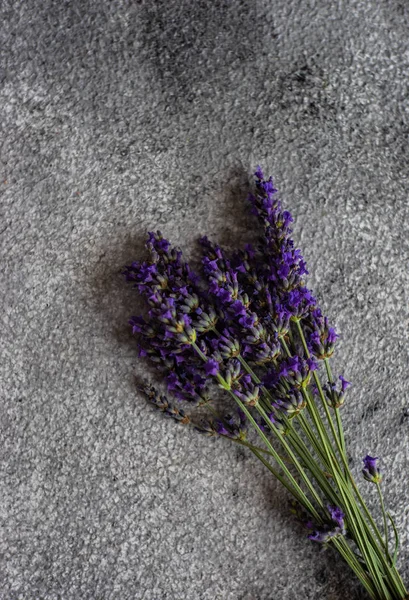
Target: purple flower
{"points": [[138, 324], [321, 536], [371, 471], [278, 423], [228, 347], [172, 381], [262, 353], [249, 394], [336, 397], [248, 320], [299, 302], [283, 271], [242, 419], [344, 384], [296, 371], [224, 296], [259, 173], [221, 429], [211, 367], [332, 336], [337, 516], [238, 309], [324, 534], [291, 403], [281, 321], [322, 341]]}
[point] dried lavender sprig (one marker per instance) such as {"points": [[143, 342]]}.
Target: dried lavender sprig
{"points": [[286, 268], [162, 403], [372, 473]]}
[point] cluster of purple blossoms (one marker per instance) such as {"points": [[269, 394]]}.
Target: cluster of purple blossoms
{"points": [[179, 332], [231, 322], [236, 327]]}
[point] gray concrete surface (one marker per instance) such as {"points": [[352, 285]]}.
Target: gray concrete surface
{"points": [[122, 116]]}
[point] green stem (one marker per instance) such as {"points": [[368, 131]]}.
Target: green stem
{"points": [[385, 522], [359, 536], [285, 346], [343, 549], [354, 518], [314, 469], [305, 426], [321, 392], [304, 500], [330, 493], [303, 452], [267, 393], [395, 572], [251, 447], [349, 557], [291, 454], [397, 581], [276, 474], [313, 412]]}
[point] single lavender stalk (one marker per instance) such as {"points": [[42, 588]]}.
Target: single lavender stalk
{"points": [[250, 328]]}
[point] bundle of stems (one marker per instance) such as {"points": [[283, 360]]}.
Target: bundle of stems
{"points": [[251, 330]]}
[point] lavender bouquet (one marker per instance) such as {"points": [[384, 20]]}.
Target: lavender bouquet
{"points": [[248, 348]]}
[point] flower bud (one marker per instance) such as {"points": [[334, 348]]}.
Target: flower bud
{"points": [[371, 471]]}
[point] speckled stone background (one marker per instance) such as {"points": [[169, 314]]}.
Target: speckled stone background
{"points": [[128, 115]]}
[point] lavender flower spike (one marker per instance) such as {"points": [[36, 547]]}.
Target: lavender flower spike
{"points": [[247, 338]]}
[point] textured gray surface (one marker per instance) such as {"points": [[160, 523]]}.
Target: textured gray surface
{"points": [[123, 116]]}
